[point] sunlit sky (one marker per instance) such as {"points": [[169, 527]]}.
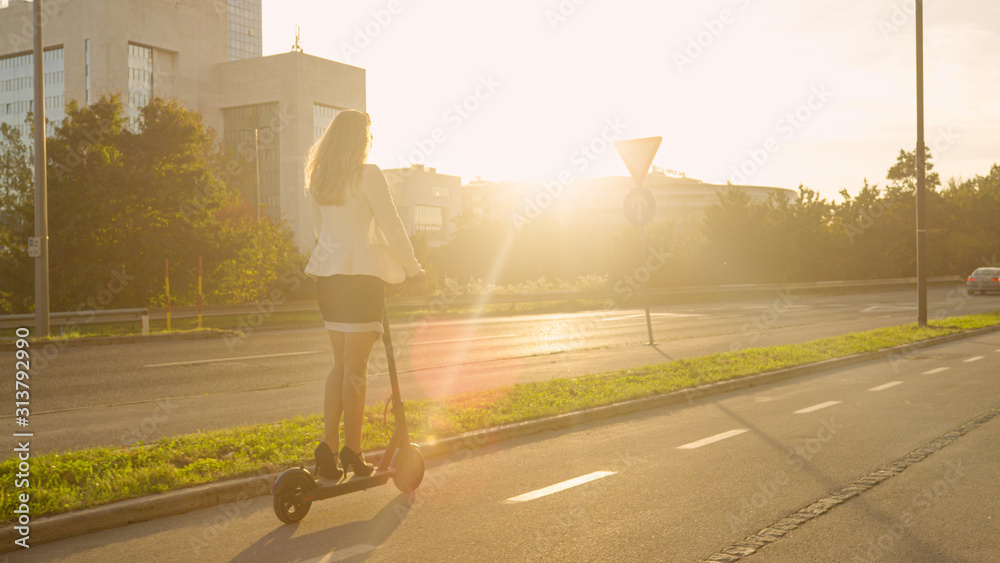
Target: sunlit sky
{"points": [[763, 92]]}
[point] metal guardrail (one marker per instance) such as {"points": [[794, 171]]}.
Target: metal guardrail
{"points": [[443, 302], [80, 318]]}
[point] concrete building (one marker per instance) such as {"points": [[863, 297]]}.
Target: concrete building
{"points": [[428, 202], [601, 200], [205, 54]]}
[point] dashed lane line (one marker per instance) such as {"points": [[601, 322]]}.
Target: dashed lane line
{"points": [[973, 359], [466, 339], [551, 489], [712, 439], [344, 554], [935, 370], [886, 386], [216, 360], [815, 408]]}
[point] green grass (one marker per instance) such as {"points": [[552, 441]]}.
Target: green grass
{"points": [[79, 479]]}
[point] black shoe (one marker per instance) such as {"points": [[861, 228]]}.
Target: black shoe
{"points": [[326, 463], [355, 461]]}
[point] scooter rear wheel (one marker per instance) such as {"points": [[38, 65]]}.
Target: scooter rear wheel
{"points": [[409, 465], [286, 508]]}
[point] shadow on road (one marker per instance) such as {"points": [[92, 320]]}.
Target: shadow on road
{"points": [[350, 542], [665, 355]]}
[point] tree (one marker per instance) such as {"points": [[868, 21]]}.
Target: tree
{"points": [[124, 197], [803, 246], [735, 232], [17, 223], [903, 174]]}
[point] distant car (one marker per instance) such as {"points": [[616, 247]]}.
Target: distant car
{"points": [[983, 280]]}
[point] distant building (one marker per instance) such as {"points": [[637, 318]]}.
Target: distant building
{"points": [[494, 201], [205, 54], [428, 202], [601, 200]]}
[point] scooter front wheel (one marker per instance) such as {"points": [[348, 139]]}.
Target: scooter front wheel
{"points": [[289, 485], [408, 463]]}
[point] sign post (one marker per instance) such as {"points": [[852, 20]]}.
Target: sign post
{"points": [[640, 205]]}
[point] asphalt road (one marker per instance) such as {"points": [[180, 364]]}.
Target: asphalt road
{"points": [[672, 484], [122, 394]]}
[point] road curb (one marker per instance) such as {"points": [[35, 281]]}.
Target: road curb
{"points": [[124, 339], [236, 492]]}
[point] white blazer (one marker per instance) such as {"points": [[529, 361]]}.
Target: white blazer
{"points": [[364, 236]]}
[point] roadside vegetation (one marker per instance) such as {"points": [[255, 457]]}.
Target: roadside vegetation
{"points": [[80, 479], [123, 199]]}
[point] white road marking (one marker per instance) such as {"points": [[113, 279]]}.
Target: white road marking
{"points": [[342, 554], [465, 339], [559, 487], [889, 308], [193, 362], [712, 439], [643, 315], [815, 408], [886, 386], [973, 359], [935, 370]]}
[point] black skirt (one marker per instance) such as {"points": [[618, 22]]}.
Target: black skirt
{"points": [[351, 303]]}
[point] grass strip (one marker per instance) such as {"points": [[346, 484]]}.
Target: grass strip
{"points": [[85, 478]]}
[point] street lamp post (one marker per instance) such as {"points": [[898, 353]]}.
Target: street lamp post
{"points": [[41, 186], [256, 161], [921, 187]]}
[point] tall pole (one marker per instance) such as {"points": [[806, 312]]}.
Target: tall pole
{"points": [[921, 203], [256, 161], [260, 243], [41, 186], [645, 290]]}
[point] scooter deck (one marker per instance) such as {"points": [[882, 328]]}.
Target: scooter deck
{"points": [[328, 488]]}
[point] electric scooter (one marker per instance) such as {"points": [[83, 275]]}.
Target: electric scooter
{"points": [[296, 489]]}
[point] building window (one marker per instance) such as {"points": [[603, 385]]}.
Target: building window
{"points": [[17, 90], [140, 79], [441, 191], [245, 29], [427, 218], [322, 116], [240, 168]]}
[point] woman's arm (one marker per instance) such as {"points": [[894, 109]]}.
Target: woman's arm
{"points": [[376, 190]]}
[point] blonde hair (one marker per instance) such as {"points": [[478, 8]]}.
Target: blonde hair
{"points": [[334, 163]]}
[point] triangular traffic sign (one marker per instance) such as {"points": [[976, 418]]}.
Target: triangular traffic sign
{"points": [[638, 155]]}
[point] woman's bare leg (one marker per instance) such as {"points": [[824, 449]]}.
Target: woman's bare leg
{"points": [[357, 349], [333, 406]]}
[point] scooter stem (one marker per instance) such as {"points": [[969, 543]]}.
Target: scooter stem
{"points": [[397, 402]]}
